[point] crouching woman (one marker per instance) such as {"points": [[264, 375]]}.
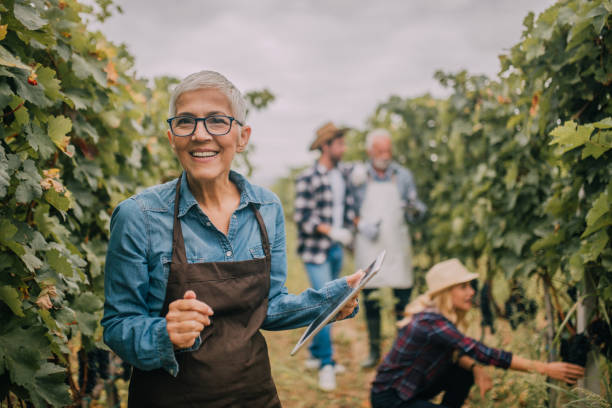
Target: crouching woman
{"points": [[420, 365]]}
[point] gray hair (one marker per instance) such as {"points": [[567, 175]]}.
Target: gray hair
{"points": [[375, 134], [211, 79]]}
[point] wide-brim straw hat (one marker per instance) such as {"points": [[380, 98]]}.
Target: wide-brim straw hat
{"points": [[326, 133], [446, 274]]}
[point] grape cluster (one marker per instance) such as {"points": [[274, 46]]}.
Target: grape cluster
{"points": [[600, 335], [485, 307], [575, 349], [518, 308], [97, 363]]}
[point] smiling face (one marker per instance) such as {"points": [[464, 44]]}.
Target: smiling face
{"points": [[381, 153], [207, 158], [461, 296]]}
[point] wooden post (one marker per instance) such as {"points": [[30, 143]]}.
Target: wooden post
{"points": [[550, 335], [586, 307]]}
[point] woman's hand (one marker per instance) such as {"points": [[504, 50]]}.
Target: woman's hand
{"points": [[353, 281], [186, 318], [567, 372], [482, 379]]}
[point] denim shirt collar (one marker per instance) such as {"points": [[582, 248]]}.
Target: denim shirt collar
{"points": [[247, 193], [389, 173]]}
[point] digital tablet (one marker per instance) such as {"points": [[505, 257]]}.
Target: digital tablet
{"points": [[329, 313]]}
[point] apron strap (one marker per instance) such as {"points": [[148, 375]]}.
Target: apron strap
{"points": [[262, 230], [178, 244]]}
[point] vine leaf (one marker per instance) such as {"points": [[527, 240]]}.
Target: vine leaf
{"points": [[58, 128], [29, 188], [39, 141], [28, 15], [10, 296], [9, 60]]}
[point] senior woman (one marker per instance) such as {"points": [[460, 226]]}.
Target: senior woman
{"points": [[197, 266], [420, 364]]}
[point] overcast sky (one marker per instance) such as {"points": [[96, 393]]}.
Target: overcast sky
{"points": [[322, 59]]}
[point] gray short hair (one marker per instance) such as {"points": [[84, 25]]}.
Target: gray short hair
{"points": [[374, 134], [211, 79]]}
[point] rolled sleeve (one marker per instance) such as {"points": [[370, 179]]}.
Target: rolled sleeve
{"points": [[289, 311], [447, 334], [129, 328]]}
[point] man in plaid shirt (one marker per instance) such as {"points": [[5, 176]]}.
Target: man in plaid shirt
{"points": [[324, 211]]}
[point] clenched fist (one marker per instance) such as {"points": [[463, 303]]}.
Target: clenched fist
{"points": [[186, 318]]}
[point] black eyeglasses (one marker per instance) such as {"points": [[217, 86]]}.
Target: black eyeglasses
{"points": [[216, 125]]}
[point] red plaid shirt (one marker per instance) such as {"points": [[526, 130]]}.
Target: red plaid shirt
{"points": [[423, 349]]}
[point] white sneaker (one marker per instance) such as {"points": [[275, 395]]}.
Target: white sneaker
{"points": [[327, 378], [312, 363], [315, 364]]}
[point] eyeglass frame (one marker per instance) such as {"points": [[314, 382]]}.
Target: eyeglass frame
{"points": [[203, 119]]}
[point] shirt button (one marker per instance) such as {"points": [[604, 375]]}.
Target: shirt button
{"points": [[208, 223], [228, 253]]}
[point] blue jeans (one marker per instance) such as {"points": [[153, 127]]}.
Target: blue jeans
{"points": [[319, 275]]}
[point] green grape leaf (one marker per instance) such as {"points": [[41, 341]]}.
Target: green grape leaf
{"points": [[600, 207], [84, 69], [87, 302], [57, 200], [59, 263], [576, 267], [516, 241], [602, 222], [6, 95], [5, 173], [28, 15], [593, 149], [29, 187], [88, 322], [603, 124], [31, 92], [29, 258], [570, 136], [39, 141], [593, 245], [58, 128], [50, 84], [9, 60], [50, 385], [10, 296]]}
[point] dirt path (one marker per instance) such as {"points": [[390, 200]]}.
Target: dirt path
{"points": [[297, 386]]}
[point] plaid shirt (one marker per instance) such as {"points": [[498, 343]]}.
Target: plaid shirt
{"points": [[313, 206], [423, 349]]}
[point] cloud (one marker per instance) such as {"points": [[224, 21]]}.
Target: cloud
{"points": [[324, 60]]}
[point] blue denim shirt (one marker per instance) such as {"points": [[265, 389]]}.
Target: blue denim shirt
{"points": [[138, 263]]}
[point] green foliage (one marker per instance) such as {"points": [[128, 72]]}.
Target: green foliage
{"points": [[517, 170], [78, 134]]}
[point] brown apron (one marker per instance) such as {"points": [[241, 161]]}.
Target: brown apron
{"points": [[231, 368]]}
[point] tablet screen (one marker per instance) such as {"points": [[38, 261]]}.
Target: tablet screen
{"points": [[330, 312]]}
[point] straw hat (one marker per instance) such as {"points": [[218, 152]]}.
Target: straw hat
{"points": [[326, 133], [446, 274]]}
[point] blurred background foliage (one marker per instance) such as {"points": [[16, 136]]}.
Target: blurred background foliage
{"points": [[516, 172]]}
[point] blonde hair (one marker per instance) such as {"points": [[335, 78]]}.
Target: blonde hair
{"points": [[440, 302]]}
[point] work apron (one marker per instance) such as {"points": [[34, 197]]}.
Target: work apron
{"points": [[231, 368], [382, 202]]}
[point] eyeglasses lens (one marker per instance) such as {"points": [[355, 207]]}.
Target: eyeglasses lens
{"points": [[215, 125]]}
